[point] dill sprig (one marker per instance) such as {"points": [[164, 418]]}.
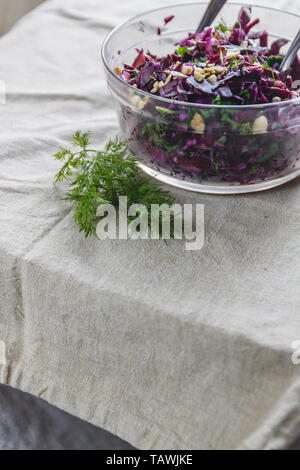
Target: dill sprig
{"points": [[101, 177]]}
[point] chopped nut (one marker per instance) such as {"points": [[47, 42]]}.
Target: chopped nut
{"points": [[276, 99], [210, 65], [220, 69], [169, 78], [260, 125], [244, 44], [175, 66], [231, 53], [138, 103], [178, 74], [212, 79], [198, 123], [131, 91], [118, 70], [187, 69], [198, 74], [155, 88]]}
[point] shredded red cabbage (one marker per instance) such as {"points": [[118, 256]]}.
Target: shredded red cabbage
{"points": [[215, 56], [221, 66], [168, 19]]}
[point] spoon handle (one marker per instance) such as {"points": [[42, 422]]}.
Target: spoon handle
{"points": [[291, 54], [214, 7]]}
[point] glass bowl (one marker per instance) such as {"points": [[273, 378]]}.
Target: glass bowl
{"points": [[224, 154]]}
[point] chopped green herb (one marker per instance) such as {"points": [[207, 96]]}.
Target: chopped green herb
{"points": [[99, 177], [222, 140], [246, 128], [223, 27], [164, 110], [270, 153], [274, 59], [181, 51]]}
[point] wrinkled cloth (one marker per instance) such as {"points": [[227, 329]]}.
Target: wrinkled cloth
{"points": [[165, 348]]}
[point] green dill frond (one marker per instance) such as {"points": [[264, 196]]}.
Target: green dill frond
{"points": [[97, 177], [81, 139]]}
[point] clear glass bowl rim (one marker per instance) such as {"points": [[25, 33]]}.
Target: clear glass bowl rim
{"points": [[183, 103]]}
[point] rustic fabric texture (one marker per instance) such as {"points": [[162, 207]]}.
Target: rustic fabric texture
{"points": [[164, 348]]}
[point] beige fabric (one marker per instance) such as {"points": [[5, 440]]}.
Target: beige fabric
{"points": [[163, 347]]}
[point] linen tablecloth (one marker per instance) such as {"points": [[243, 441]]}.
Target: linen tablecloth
{"points": [[163, 347]]}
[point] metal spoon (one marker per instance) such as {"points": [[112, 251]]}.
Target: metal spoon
{"points": [[211, 13], [291, 54]]}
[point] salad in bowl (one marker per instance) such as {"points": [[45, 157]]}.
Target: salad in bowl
{"points": [[208, 111]]}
